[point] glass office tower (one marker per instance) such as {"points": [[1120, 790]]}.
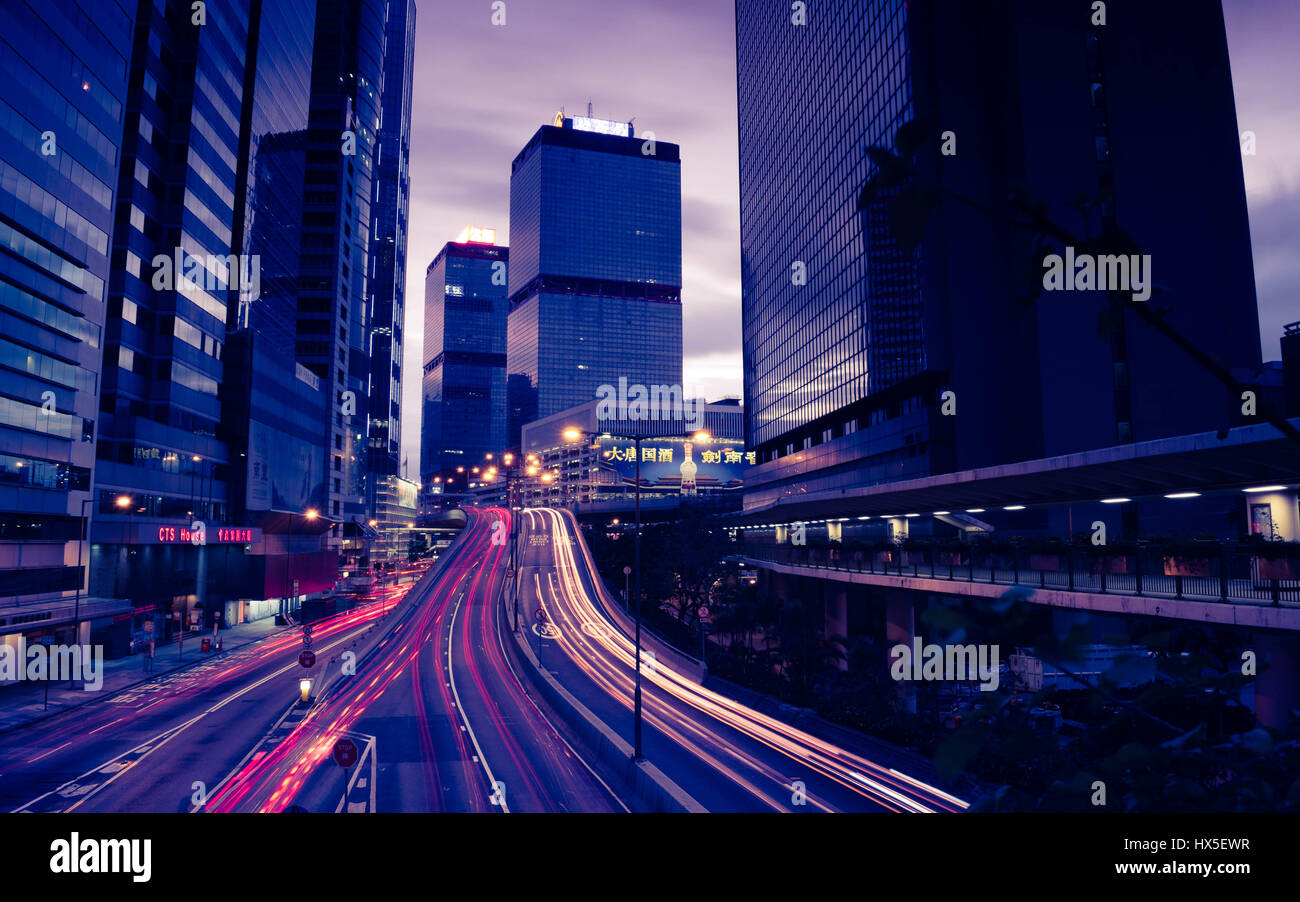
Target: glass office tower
{"points": [[464, 383], [171, 283], [845, 367], [334, 320], [65, 70], [200, 381], [595, 284], [388, 286]]}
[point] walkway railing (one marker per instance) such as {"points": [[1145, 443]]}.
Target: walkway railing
{"points": [[1223, 573]]}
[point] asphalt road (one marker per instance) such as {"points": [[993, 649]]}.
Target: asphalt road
{"points": [[727, 756]]}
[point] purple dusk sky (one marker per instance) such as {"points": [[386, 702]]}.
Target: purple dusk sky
{"points": [[482, 90]]}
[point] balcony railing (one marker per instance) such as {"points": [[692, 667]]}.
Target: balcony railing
{"points": [[1224, 573]]}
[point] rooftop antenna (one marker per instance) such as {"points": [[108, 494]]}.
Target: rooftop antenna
{"points": [[589, 116]]}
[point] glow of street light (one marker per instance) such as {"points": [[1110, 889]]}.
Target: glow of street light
{"points": [[703, 437], [572, 435], [312, 514], [374, 522]]}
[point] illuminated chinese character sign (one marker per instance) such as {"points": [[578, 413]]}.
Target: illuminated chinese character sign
{"points": [[678, 464]]}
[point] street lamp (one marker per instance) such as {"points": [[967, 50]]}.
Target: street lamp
{"points": [[122, 501], [572, 435]]}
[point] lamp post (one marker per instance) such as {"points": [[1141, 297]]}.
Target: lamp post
{"points": [[122, 501], [573, 435], [76, 604]]}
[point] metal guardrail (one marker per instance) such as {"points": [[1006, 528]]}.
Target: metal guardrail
{"points": [[1226, 574]]}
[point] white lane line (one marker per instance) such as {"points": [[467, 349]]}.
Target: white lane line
{"points": [[532, 701], [50, 752], [151, 745], [451, 674]]}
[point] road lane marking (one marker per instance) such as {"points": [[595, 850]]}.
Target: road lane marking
{"points": [[451, 675], [157, 741], [50, 752]]}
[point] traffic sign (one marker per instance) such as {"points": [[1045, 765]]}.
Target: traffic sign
{"points": [[704, 613], [540, 615], [627, 571], [345, 752], [307, 659]]}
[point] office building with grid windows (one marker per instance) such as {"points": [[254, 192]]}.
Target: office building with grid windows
{"points": [[66, 71], [847, 365], [464, 380], [595, 276]]}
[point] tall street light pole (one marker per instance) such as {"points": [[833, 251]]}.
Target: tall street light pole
{"points": [[636, 565], [574, 435]]}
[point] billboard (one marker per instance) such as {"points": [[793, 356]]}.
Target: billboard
{"points": [[678, 464], [404, 493], [284, 472]]}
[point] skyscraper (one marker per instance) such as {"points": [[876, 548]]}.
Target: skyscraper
{"points": [[595, 284], [60, 131], [333, 325], [852, 339], [464, 387], [174, 244], [388, 286], [200, 382]]}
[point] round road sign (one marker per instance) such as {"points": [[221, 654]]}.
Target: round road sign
{"points": [[307, 659], [345, 752]]}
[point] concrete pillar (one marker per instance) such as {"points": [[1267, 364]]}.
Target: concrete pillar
{"points": [[836, 615], [900, 628], [1277, 688]]}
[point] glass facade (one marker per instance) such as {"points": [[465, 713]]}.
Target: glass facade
{"points": [[61, 118], [333, 313], [595, 280], [388, 287], [166, 330], [853, 342], [275, 411], [826, 320], [464, 382]]}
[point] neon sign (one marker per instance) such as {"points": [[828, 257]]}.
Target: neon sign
{"points": [[183, 535], [601, 126], [477, 235]]}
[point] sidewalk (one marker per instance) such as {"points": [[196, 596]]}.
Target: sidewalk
{"points": [[23, 703]]}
